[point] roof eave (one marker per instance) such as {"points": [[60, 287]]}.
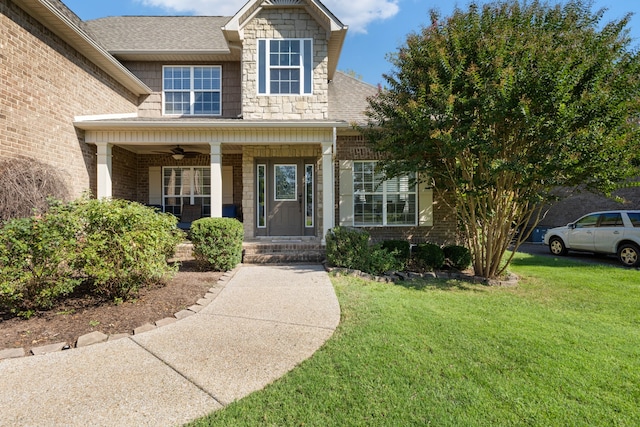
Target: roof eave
{"points": [[169, 124], [69, 31]]}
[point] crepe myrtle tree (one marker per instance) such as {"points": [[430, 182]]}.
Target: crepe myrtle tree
{"points": [[500, 103]]}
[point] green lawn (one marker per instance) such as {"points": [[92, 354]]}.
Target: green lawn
{"points": [[560, 349]]}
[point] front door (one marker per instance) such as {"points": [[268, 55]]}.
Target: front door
{"points": [[285, 197], [285, 194]]}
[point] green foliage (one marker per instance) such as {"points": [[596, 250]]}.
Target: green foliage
{"points": [[217, 242], [401, 250], [350, 248], [125, 245], [504, 101], [429, 255], [347, 247], [115, 245], [459, 257], [37, 259]]}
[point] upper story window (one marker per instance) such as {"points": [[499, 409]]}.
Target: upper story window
{"points": [[285, 67], [194, 91]]}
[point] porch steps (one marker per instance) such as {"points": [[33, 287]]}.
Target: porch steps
{"points": [[282, 250], [268, 251]]}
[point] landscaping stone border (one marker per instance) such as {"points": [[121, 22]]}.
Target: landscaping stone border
{"points": [[96, 337], [399, 276]]}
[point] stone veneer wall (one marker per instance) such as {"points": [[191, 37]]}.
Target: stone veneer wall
{"points": [[44, 84], [444, 229], [151, 74], [252, 152], [284, 23]]}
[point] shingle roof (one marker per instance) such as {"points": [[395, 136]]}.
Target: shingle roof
{"points": [[160, 33], [348, 98]]}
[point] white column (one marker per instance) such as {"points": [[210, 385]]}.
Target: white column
{"points": [[105, 183], [328, 188], [216, 180]]}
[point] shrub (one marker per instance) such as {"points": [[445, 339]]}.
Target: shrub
{"points": [[381, 260], [217, 242], [401, 250], [458, 257], [37, 260], [125, 245], [347, 247], [429, 255], [27, 185]]}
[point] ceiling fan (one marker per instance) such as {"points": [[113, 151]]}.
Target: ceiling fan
{"points": [[178, 153]]}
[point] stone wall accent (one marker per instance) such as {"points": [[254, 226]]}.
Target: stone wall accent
{"points": [[252, 152], [443, 231], [44, 84], [151, 74], [284, 23]]}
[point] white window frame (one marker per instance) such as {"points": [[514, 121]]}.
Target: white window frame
{"points": [[305, 67], [191, 187], [191, 90], [381, 190]]}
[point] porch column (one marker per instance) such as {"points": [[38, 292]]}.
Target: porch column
{"points": [[216, 179], [104, 169], [328, 188]]}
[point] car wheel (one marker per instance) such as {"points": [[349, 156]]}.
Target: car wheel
{"points": [[557, 247], [628, 255]]}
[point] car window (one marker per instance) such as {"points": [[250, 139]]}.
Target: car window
{"points": [[587, 221], [612, 219], [635, 218]]}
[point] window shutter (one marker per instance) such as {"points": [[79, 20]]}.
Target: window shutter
{"points": [[346, 192], [262, 66], [425, 205], [308, 67], [155, 185]]}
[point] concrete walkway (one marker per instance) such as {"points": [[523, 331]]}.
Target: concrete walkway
{"points": [[265, 321]]}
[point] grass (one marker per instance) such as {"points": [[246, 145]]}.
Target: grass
{"points": [[560, 349]]}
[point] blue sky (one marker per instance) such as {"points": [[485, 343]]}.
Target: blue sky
{"points": [[376, 27]]}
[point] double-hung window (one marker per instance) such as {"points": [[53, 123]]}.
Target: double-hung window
{"points": [[285, 66], [194, 91], [382, 202]]}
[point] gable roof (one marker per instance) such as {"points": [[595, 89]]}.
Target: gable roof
{"points": [[55, 16], [163, 38], [348, 98], [337, 31]]}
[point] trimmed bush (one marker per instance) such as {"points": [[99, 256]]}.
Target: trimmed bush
{"points": [[37, 260], [458, 257], [429, 255], [114, 245], [401, 250], [217, 242], [381, 260], [347, 247], [125, 245]]}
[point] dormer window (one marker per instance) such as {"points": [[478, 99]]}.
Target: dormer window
{"points": [[192, 91], [285, 67]]}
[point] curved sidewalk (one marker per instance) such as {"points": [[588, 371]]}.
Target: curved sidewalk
{"points": [[265, 321]]}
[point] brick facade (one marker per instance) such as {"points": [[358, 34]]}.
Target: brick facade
{"points": [[443, 231], [288, 23], [44, 84]]}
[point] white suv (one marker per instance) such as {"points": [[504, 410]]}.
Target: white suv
{"points": [[610, 232]]}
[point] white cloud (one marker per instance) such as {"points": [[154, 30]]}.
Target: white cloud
{"points": [[357, 14]]}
